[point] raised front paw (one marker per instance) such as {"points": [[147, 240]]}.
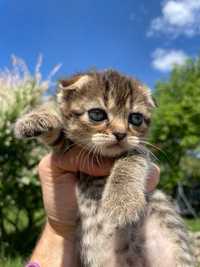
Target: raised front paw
{"points": [[124, 194], [124, 209], [32, 126]]}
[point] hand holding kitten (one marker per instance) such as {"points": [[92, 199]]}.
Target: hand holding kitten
{"points": [[58, 180]]}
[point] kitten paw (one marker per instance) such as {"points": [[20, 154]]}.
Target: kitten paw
{"points": [[31, 127], [125, 211]]}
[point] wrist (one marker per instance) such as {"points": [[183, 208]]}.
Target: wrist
{"points": [[54, 250]]}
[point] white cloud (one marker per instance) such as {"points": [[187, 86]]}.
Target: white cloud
{"points": [[179, 17], [164, 60]]}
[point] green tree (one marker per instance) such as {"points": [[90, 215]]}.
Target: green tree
{"points": [[176, 125], [21, 212]]}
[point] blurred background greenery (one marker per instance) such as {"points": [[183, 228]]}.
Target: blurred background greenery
{"points": [[174, 135]]}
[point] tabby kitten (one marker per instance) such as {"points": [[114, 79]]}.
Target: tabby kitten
{"points": [[119, 224]]}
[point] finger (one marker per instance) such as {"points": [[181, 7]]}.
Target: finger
{"points": [[55, 165], [95, 167], [59, 198], [76, 159], [153, 178]]}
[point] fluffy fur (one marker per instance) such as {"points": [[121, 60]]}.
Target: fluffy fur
{"points": [[119, 225]]}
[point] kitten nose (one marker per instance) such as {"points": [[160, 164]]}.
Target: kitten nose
{"points": [[119, 136]]}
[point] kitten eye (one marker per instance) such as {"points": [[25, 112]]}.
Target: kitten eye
{"points": [[97, 114], [136, 119]]}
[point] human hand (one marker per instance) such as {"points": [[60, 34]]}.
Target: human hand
{"points": [[58, 180]]}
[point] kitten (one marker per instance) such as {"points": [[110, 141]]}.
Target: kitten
{"points": [[120, 225]]}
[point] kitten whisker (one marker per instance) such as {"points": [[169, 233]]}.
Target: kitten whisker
{"points": [[91, 151], [99, 156], [149, 151], [143, 149], [157, 148], [96, 154], [154, 146], [80, 156], [145, 142]]}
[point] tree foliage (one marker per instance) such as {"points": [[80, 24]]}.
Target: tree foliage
{"points": [[176, 125], [21, 212]]}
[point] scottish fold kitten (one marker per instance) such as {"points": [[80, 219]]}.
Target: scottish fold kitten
{"points": [[108, 113]]}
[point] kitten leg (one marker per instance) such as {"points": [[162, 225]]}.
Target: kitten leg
{"points": [[124, 195], [167, 242], [43, 123]]}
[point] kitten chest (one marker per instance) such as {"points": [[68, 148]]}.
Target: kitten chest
{"points": [[100, 243]]}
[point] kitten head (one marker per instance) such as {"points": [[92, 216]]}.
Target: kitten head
{"points": [[106, 112]]}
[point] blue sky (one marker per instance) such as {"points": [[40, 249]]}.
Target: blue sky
{"points": [[141, 38]]}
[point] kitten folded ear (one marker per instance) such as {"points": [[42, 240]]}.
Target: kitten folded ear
{"points": [[74, 83], [151, 100]]}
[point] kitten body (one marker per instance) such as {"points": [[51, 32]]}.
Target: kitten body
{"points": [[108, 114]]}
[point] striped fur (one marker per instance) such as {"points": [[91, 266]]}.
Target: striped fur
{"points": [[119, 225]]}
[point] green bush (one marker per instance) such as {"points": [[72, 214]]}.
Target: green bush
{"points": [[21, 214]]}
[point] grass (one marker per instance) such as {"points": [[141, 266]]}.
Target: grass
{"points": [[12, 262], [193, 224]]}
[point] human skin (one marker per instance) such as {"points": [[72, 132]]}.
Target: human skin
{"points": [[58, 179]]}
